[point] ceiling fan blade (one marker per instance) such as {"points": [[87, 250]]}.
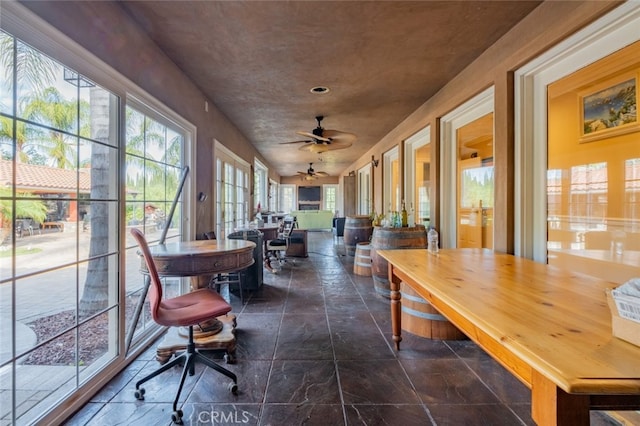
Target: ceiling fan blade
{"points": [[316, 148], [286, 143], [302, 173], [323, 174], [320, 148], [322, 138], [338, 136]]}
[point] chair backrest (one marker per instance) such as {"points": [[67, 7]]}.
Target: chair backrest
{"points": [[155, 292], [211, 235], [288, 227]]}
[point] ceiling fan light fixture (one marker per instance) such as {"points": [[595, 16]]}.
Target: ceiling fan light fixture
{"points": [[320, 90], [321, 140]]}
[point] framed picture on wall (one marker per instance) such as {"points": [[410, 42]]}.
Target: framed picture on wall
{"points": [[609, 108]]}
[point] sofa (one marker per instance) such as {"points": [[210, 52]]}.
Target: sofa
{"points": [[313, 219]]}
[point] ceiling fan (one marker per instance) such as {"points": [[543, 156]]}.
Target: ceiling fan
{"points": [[311, 174], [321, 140]]}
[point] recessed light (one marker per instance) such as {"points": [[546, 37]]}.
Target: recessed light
{"points": [[320, 90]]}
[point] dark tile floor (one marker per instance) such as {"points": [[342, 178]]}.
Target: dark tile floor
{"points": [[315, 348]]}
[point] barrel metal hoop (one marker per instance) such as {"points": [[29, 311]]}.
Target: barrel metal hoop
{"points": [[414, 298], [425, 315]]}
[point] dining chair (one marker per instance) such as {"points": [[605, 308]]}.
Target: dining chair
{"points": [[187, 310], [276, 248]]}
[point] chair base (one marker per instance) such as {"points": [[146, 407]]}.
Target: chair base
{"points": [[176, 339], [275, 260], [188, 359]]}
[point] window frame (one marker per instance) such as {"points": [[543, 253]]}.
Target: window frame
{"points": [[260, 185], [325, 188], [601, 38], [294, 197], [476, 107], [364, 189], [23, 24], [420, 139]]}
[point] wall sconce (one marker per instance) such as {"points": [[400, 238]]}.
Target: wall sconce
{"points": [[374, 162]]}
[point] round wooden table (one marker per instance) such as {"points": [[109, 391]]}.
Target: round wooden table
{"points": [[201, 259]]}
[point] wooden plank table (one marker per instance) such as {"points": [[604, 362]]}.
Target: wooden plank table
{"points": [[549, 327]]}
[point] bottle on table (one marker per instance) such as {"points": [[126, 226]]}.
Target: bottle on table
{"points": [[404, 216], [432, 240]]}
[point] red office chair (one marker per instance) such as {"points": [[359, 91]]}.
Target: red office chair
{"points": [[186, 310]]}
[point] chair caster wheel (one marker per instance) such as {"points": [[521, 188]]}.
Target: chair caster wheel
{"points": [[229, 359], [139, 394], [176, 417], [233, 387]]}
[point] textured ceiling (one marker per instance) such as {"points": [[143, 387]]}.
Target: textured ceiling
{"points": [[381, 60]]}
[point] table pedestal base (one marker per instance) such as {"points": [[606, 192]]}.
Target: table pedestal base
{"points": [[219, 334]]}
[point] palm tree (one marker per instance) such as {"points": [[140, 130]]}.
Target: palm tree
{"points": [[6, 133], [52, 109], [29, 207], [32, 68], [96, 286]]}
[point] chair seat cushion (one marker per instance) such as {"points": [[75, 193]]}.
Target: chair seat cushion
{"points": [[276, 243], [192, 308]]}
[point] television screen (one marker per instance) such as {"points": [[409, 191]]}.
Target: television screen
{"points": [[309, 193]]}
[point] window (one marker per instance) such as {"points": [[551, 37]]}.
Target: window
{"points": [[154, 156], [632, 194], [417, 176], [606, 36], [594, 146], [391, 177], [273, 195], [467, 160], [555, 197], [60, 223], [260, 183], [232, 191], [588, 196], [329, 195], [59, 156], [364, 190], [288, 201]]}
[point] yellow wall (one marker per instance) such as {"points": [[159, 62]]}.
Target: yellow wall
{"points": [[565, 147]]}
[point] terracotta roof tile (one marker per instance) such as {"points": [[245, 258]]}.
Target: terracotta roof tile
{"points": [[35, 178]]}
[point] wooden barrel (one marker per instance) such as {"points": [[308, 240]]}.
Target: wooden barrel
{"points": [[390, 239], [362, 260], [419, 317], [357, 229]]}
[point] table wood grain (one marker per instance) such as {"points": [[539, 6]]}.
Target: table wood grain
{"points": [[548, 326], [205, 257]]}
